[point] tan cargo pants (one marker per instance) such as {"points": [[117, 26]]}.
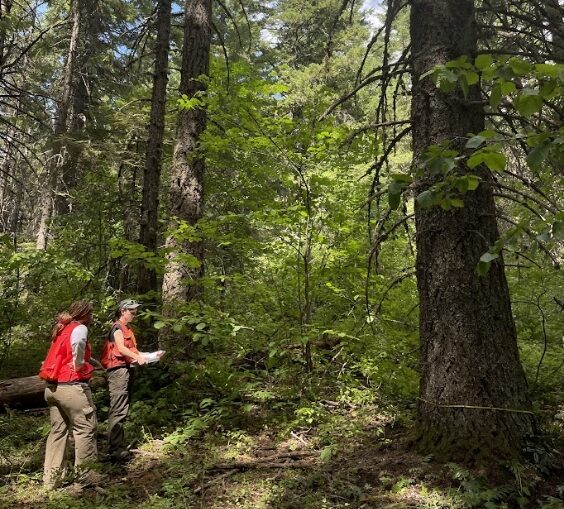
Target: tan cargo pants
{"points": [[71, 410], [119, 385]]}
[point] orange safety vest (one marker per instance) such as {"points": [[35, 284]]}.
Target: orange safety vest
{"points": [[58, 365], [111, 357]]}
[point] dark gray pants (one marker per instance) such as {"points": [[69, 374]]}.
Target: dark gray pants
{"points": [[119, 383]]}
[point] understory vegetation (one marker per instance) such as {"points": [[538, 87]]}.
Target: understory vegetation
{"points": [[295, 361], [339, 436]]}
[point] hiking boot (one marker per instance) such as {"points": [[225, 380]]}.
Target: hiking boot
{"points": [[74, 490], [100, 490], [90, 480], [93, 478], [120, 456]]}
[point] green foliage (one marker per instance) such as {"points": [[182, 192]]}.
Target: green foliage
{"points": [[489, 148], [476, 493], [287, 252]]}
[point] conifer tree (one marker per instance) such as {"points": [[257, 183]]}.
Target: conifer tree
{"points": [[473, 393], [185, 256]]}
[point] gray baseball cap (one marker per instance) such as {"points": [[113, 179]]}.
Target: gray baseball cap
{"points": [[128, 304]]}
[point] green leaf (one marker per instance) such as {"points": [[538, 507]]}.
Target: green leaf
{"points": [[548, 89], [447, 80], [482, 268], [428, 73], [456, 202], [186, 104], [475, 159], [461, 61], [489, 257], [159, 325], [495, 161], [472, 77], [475, 141], [483, 61], [426, 199], [536, 156], [201, 326], [528, 103], [519, 66], [495, 96], [465, 87], [394, 200], [488, 74], [507, 87], [461, 184], [441, 165], [473, 182], [488, 134], [547, 70], [394, 194]]}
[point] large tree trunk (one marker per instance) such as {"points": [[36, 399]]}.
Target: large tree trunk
{"points": [[73, 103], [153, 160], [5, 8], [88, 45], [181, 279], [15, 213], [554, 13], [5, 188], [469, 353]]}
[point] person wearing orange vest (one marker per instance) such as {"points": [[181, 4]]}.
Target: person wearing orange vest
{"points": [[119, 353], [67, 370]]}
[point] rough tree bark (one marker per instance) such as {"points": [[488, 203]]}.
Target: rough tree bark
{"points": [[80, 116], [554, 13], [5, 8], [6, 153], [15, 150], [468, 349], [181, 279], [152, 170]]}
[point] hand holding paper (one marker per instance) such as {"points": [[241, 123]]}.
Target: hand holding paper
{"points": [[151, 357]]}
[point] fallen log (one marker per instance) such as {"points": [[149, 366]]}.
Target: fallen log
{"points": [[261, 462], [215, 480], [286, 455], [281, 459], [27, 392], [245, 465]]}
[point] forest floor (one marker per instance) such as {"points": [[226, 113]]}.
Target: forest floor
{"points": [[358, 457]]}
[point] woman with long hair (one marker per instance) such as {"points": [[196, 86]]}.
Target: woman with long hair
{"points": [[67, 370]]}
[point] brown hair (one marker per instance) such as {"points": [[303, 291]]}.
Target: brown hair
{"points": [[78, 311]]}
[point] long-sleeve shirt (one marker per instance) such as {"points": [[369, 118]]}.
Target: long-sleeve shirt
{"points": [[78, 344]]}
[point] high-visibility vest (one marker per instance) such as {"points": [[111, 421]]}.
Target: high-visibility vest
{"points": [[111, 357], [58, 365]]}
